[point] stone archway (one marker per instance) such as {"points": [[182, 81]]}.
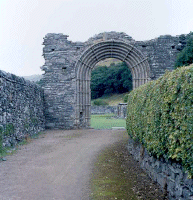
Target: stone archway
{"points": [[125, 52]]}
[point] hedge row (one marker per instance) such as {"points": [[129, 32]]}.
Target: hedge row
{"points": [[160, 116]]}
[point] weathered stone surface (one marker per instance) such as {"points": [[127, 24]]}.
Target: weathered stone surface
{"points": [[67, 92], [168, 175], [22, 108], [67, 96], [122, 110], [103, 110], [25, 107]]}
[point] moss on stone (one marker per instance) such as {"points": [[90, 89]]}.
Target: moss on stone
{"points": [[9, 129]]}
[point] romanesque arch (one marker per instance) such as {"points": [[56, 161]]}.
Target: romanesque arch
{"points": [[125, 52]]}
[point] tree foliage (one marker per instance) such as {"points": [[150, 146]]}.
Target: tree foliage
{"points": [[113, 79], [185, 57]]}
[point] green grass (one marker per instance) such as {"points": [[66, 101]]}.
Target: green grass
{"points": [[112, 99], [106, 122], [108, 62], [7, 151], [109, 180]]}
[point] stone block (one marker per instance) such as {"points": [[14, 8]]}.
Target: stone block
{"points": [[178, 190], [22, 108], [186, 193]]}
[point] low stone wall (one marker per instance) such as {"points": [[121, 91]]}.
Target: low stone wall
{"points": [[101, 110], [21, 109], [122, 110], [170, 176]]}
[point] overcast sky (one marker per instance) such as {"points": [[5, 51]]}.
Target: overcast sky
{"points": [[24, 23]]}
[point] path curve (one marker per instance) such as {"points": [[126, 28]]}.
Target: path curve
{"points": [[55, 166]]}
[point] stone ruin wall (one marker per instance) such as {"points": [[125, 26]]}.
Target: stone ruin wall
{"points": [[22, 101], [21, 109], [103, 110], [61, 55], [24, 105], [169, 175], [120, 111]]}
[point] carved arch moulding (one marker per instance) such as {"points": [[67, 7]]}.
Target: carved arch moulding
{"points": [[122, 51], [68, 67]]}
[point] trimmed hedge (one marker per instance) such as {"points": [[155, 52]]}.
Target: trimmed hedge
{"points": [[160, 116]]}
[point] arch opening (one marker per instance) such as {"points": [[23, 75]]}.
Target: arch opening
{"points": [[122, 51], [110, 76]]}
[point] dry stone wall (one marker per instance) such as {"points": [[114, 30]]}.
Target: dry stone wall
{"points": [[119, 111], [169, 175], [61, 55], [21, 108], [101, 110]]}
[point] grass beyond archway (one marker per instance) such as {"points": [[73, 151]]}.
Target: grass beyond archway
{"points": [[107, 121]]}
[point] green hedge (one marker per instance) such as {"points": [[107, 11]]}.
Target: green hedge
{"points": [[160, 116]]}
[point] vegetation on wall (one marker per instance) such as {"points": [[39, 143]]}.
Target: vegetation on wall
{"points": [[160, 116], [113, 79], [185, 57], [9, 129]]}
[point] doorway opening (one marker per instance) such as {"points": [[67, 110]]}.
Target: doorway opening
{"points": [[125, 52]]}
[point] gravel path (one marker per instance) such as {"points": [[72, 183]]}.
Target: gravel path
{"points": [[55, 166], [59, 165]]}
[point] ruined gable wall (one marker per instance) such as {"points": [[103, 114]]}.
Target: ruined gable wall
{"points": [[61, 55], [59, 80], [161, 53]]}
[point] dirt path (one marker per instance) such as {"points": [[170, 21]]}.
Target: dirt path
{"points": [[58, 165], [55, 166]]}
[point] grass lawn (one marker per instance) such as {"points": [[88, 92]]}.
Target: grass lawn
{"points": [[112, 99], [106, 122]]}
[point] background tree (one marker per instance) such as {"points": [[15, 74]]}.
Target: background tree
{"points": [[116, 78], [185, 57]]}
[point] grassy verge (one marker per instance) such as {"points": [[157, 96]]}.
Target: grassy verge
{"points": [[109, 178], [106, 122], [116, 175]]}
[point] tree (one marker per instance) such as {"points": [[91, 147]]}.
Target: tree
{"points": [[113, 79], [185, 57]]}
